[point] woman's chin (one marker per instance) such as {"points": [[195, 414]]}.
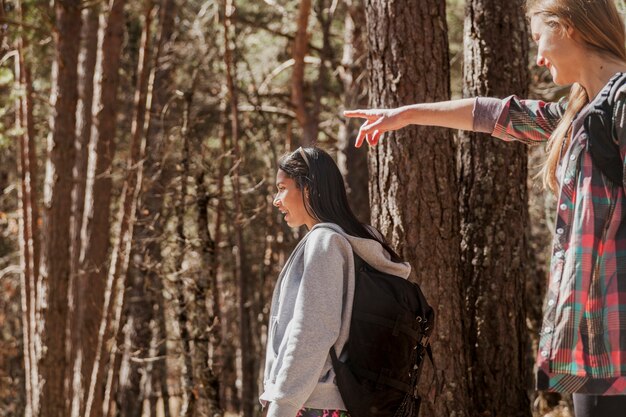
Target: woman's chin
{"points": [[557, 79]]}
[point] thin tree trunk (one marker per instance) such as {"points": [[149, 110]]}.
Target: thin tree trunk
{"points": [[412, 178], [353, 161], [29, 227], [299, 50], [96, 222], [494, 217], [223, 349], [185, 308], [27, 275], [159, 375], [57, 261], [205, 291], [86, 68]]}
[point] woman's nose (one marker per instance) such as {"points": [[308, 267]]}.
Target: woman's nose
{"points": [[541, 61], [276, 201]]}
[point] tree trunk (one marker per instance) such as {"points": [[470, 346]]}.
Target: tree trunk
{"points": [[413, 189], [494, 217], [86, 69], [300, 48], [205, 292], [96, 223], [353, 161], [28, 231], [188, 407], [56, 263]]}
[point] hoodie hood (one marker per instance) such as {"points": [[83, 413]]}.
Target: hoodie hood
{"points": [[371, 251]]}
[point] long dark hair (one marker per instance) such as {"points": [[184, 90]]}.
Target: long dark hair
{"points": [[315, 171]]}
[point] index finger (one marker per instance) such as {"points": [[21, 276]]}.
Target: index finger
{"points": [[363, 114]]}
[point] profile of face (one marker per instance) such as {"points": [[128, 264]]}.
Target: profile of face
{"points": [[557, 49], [289, 201]]}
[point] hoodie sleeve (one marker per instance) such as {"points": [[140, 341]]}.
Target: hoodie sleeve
{"points": [[316, 322]]}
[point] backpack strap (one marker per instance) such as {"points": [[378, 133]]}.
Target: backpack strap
{"points": [[603, 145]]}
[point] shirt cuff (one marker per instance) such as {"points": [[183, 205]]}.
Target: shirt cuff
{"points": [[485, 113], [282, 409]]}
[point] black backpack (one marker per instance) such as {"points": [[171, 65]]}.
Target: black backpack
{"points": [[389, 332], [603, 144]]}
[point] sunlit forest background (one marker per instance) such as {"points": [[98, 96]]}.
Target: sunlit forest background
{"points": [[138, 149]]}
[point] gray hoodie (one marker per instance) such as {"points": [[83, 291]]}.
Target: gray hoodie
{"points": [[310, 312]]}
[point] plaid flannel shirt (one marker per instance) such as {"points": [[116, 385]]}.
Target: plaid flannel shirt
{"points": [[582, 344]]}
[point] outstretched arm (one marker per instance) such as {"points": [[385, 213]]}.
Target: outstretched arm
{"points": [[510, 119], [455, 114]]}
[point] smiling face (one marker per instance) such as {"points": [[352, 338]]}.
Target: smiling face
{"points": [[557, 49], [289, 201]]}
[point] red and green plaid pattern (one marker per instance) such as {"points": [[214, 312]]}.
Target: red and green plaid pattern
{"points": [[583, 339]]}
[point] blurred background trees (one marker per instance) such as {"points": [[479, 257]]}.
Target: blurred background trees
{"points": [[138, 150]]}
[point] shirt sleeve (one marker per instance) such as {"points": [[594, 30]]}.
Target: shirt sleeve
{"points": [[513, 119], [619, 124], [316, 322]]}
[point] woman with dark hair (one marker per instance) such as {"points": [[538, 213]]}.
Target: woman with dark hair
{"points": [[312, 302], [582, 348]]}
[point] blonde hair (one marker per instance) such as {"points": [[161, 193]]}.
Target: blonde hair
{"points": [[601, 29]]}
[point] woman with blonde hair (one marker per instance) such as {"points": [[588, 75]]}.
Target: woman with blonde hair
{"points": [[582, 348]]}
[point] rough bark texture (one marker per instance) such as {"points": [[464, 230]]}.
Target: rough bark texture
{"points": [[56, 263], [352, 161], [494, 217], [412, 178]]}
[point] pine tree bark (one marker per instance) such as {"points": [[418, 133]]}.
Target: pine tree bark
{"points": [[413, 190], [56, 265], [494, 217]]}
